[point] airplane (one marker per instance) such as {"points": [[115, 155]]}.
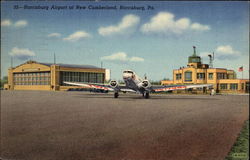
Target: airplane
{"points": [[133, 83]]}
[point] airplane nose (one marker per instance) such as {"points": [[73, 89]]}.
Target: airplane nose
{"points": [[126, 76]]}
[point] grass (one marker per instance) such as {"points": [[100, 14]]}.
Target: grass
{"points": [[239, 150]]}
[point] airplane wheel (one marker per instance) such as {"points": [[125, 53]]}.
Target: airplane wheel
{"points": [[116, 95], [147, 95]]}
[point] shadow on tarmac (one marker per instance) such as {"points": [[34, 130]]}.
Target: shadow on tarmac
{"points": [[136, 96]]}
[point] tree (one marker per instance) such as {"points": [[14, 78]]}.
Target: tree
{"points": [[155, 82], [166, 79], [4, 80]]}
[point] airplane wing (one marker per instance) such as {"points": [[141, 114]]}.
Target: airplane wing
{"points": [[177, 87], [91, 85], [105, 87]]}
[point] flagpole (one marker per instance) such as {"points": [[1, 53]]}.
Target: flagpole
{"points": [[242, 73]]}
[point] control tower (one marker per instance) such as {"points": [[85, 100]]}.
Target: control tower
{"points": [[194, 60]]}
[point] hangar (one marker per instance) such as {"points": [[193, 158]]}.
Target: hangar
{"points": [[34, 75]]}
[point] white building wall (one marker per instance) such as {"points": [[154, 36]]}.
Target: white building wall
{"points": [[107, 74]]}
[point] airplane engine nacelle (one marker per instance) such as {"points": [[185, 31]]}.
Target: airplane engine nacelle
{"points": [[113, 84], [145, 84]]}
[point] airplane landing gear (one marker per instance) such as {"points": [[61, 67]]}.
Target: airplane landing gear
{"points": [[116, 95], [147, 95]]}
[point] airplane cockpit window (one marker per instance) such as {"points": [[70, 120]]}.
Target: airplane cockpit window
{"points": [[128, 72]]}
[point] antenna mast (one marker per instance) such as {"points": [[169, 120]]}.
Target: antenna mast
{"points": [[54, 58], [194, 54]]}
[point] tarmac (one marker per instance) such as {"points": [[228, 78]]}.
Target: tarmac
{"points": [[45, 125]]}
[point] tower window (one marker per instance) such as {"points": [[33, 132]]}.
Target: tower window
{"points": [[178, 76], [188, 76], [210, 75], [200, 75]]}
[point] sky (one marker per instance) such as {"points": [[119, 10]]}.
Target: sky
{"points": [[151, 38]]}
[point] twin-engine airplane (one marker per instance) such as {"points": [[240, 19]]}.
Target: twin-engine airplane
{"points": [[133, 83]]}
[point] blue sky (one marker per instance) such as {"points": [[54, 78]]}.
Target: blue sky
{"points": [[152, 41]]}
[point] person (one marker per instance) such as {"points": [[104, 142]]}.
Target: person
{"points": [[212, 92]]}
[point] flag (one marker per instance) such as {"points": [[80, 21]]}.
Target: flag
{"points": [[240, 69]]}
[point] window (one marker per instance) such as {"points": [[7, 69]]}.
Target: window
{"points": [[80, 77], [233, 86], [100, 77], [200, 75], [92, 77], [221, 76], [188, 76], [231, 76], [32, 78], [242, 86], [210, 75], [128, 72], [223, 86], [178, 76]]}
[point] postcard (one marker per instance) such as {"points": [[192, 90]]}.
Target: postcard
{"points": [[124, 80]]}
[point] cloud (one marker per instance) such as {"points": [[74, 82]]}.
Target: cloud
{"points": [[77, 36], [17, 24], [136, 59], [223, 52], [122, 57], [54, 35], [226, 49], [164, 23], [6, 23], [199, 27], [21, 53], [127, 24], [21, 23], [226, 52]]}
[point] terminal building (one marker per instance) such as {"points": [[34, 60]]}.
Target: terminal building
{"points": [[223, 80], [33, 75]]}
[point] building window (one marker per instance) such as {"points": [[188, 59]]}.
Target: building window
{"points": [[221, 76], [88, 77], [231, 76], [188, 76], [200, 75], [178, 76], [32, 78], [223, 86], [247, 89], [210, 75], [100, 78], [92, 77], [242, 86], [84, 77], [233, 86]]}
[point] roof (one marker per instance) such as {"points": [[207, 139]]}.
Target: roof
{"points": [[207, 68], [71, 65], [62, 65]]}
